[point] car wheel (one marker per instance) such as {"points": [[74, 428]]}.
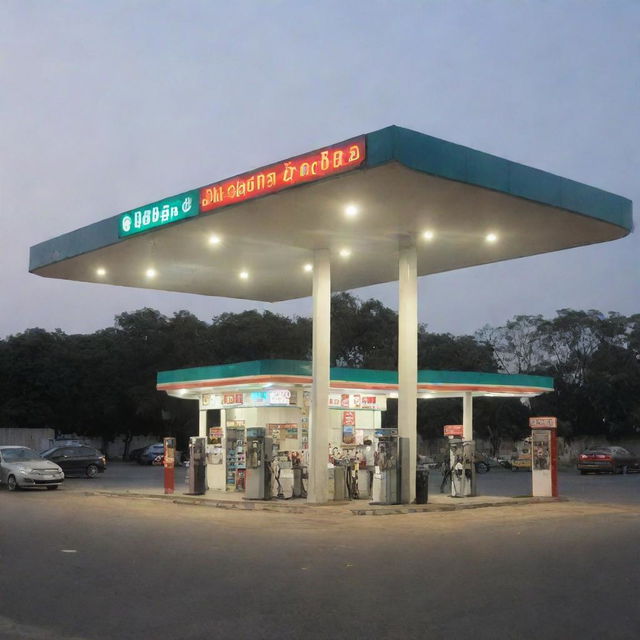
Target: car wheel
{"points": [[12, 483], [92, 471], [582, 472], [482, 467], [53, 487]]}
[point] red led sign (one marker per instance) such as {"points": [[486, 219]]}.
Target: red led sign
{"points": [[275, 177], [453, 429]]}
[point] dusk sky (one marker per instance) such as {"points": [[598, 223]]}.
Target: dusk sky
{"points": [[108, 105]]}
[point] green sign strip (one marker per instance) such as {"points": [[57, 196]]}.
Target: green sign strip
{"points": [[159, 214]]}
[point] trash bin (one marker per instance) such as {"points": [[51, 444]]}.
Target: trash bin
{"points": [[422, 486]]}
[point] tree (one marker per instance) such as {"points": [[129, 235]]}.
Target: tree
{"points": [[443, 351], [363, 334], [516, 345]]}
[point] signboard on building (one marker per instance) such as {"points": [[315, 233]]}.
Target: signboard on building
{"points": [[270, 398], [158, 214], [276, 177], [279, 396], [357, 401]]}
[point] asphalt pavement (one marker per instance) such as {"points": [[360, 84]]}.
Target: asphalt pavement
{"points": [[77, 566], [83, 567]]}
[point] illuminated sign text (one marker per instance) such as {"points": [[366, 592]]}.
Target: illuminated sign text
{"points": [[546, 422], [298, 170], [158, 214]]}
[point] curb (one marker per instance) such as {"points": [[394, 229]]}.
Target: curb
{"points": [[205, 502], [333, 508], [428, 508]]}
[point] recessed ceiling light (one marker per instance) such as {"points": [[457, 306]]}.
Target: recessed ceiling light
{"points": [[214, 239], [491, 237], [100, 271], [351, 210], [308, 267], [345, 253], [244, 275], [151, 273], [428, 235]]}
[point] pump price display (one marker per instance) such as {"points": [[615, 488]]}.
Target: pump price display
{"points": [[543, 423], [299, 170], [159, 214], [453, 429]]}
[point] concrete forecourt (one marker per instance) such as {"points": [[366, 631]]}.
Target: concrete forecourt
{"points": [[391, 205]]}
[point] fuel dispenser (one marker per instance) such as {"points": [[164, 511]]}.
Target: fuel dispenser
{"points": [[197, 466], [169, 464], [463, 469], [258, 461], [544, 461], [391, 480]]}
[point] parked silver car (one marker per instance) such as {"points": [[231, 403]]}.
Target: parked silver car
{"points": [[21, 467]]}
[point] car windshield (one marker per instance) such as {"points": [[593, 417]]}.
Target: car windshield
{"points": [[19, 454]]}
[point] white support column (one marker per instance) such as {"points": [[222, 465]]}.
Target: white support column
{"points": [[317, 492], [202, 424], [467, 416], [408, 357]]}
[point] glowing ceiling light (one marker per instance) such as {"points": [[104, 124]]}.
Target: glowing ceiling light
{"points": [[345, 253], [351, 211], [182, 391], [214, 239], [151, 273], [101, 272], [428, 235], [244, 275], [491, 237], [308, 267]]}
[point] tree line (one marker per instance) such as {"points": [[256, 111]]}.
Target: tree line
{"points": [[103, 384]]}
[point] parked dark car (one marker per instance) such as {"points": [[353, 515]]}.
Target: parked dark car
{"points": [[134, 454], [78, 460], [607, 459], [150, 453]]}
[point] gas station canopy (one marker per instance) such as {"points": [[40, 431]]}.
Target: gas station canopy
{"points": [[260, 374], [253, 236]]}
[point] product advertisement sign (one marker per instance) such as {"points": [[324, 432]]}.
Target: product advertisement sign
{"points": [[273, 430], [271, 398], [357, 401], [348, 435], [215, 433], [541, 451], [349, 418], [288, 397], [290, 431]]}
